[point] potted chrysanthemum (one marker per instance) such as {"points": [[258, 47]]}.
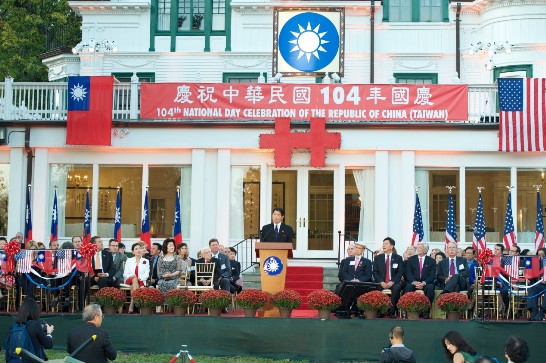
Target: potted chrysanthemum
{"points": [[413, 303], [453, 303], [110, 298], [324, 301], [181, 300], [215, 301], [251, 300], [146, 299], [286, 301], [373, 302]]}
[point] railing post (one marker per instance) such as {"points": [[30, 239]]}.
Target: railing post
{"points": [[8, 98], [134, 97]]}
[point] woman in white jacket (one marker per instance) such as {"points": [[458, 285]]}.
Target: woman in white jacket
{"points": [[137, 269]]}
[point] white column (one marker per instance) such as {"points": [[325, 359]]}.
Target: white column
{"points": [[408, 197], [95, 202], [339, 205], [265, 194], [462, 205], [145, 181], [514, 183], [39, 195], [223, 192], [197, 198], [381, 196], [17, 190]]}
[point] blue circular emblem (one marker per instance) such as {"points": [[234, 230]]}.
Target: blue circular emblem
{"points": [[308, 42], [273, 266]]}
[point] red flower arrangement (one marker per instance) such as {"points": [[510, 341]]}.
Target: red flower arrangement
{"points": [[181, 298], [485, 256], [215, 299], [323, 300], [110, 296], [414, 302], [147, 297], [374, 301], [11, 249], [453, 301], [251, 299], [88, 250], [286, 299]]}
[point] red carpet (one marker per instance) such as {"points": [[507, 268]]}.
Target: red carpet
{"points": [[304, 280]]}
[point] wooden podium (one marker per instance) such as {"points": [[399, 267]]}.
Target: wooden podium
{"points": [[275, 255]]}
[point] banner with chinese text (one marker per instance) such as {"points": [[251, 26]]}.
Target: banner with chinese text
{"points": [[370, 102]]}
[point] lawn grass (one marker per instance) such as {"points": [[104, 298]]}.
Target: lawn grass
{"points": [[164, 358]]}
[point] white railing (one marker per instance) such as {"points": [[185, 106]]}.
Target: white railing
{"points": [[47, 101]]}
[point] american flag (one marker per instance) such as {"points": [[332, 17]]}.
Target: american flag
{"points": [[478, 237], [418, 232], [509, 233], [522, 104], [24, 261], [539, 233], [53, 236], [511, 265], [451, 232], [64, 262]]}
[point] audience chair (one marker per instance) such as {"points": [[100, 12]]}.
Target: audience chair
{"points": [[491, 296], [203, 271]]}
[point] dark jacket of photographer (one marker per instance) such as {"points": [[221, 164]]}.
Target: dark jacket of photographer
{"points": [[40, 339], [397, 354]]}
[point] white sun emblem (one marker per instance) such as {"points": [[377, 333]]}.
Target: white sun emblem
{"points": [[271, 265], [308, 41], [78, 92]]}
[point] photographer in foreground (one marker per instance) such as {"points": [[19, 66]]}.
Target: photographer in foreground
{"points": [[39, 333], [396, 352]]}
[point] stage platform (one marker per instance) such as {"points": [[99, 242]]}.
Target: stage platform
{"points": [[297, 338]]}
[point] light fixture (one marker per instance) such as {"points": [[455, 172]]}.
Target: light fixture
{"points": [[490, 65], [336, 77], [507, 48], [278, 77], [92, 46], [121, 133], [475, 48], [261, 78], [76, 179], [455, 79], [326, 79]]}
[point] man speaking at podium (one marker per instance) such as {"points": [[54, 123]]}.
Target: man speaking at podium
{"points": [[277, 231]]}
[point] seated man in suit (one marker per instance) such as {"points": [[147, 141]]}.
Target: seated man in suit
{"points": [[98, 351], [119, 260], [388, 271], [217, 281], [223, 261], [277, 231], [350, 253], [357, 267], [103, 266], [421, 273], [452, 271]]}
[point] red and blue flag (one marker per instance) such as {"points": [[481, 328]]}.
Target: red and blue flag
{"points": [[145, 230], [117, 217], [86, 235], [53, 236], [28, 219], [177, 233]]}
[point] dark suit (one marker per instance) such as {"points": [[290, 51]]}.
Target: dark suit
{"points": [[268, 233], [235, 275], [119, 266], [153, 270], [362, 272], [225, 270], [457, 282], [396, 273], [98, 351], [218, 280], [107, 267], [428, 275]]}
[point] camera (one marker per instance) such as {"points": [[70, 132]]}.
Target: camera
{"points": [[44, 326], [386, 349]]}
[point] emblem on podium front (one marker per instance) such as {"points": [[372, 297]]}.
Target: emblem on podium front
{"points": [[273, 266]]}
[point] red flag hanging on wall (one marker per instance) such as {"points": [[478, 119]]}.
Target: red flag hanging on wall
{"points": [[90, 110]]}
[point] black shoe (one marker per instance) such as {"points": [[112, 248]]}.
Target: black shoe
{"points": [[537, 317], [426, 315], [54, 303], [225, 311], [66, 304]]}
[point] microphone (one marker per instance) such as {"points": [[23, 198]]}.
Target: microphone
{"points": [[28, 356], [83, 345], [264, 237]]}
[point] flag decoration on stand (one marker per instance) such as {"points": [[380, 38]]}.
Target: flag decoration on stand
{"points": [[544, 269], [177, 229], [478, 236], [521, 114], [451, 232], [28, 219], [539, 233], [511, 265], [532, 267], [53, 236], [64, 262], [509, 233], [117, 217], [86, 235], [145, 230], [89, 119], [24, 261]]}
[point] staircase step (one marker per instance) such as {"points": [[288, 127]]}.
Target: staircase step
{"points": [[304, 277], [296, 285], [304, 270]]}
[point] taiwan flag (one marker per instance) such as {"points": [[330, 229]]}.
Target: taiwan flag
{"points": [[86, 235], [177, 233], [28, 219], [145, 230], [53, 236], [117, 218], [90, 101], [532, 267]]}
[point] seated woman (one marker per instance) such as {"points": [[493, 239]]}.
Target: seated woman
{"points": [[186, 264], [457, 349], [167, 267], [137, 269]]}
